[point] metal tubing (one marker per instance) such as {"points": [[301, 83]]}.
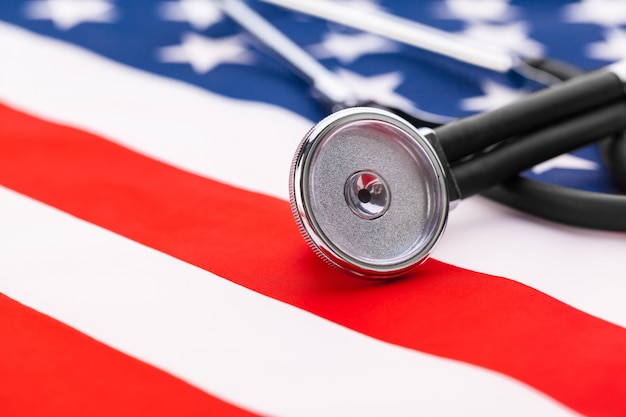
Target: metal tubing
{"points": [[405, 31]]}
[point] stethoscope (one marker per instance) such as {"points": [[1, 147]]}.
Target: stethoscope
{"points": [[371, 191]]}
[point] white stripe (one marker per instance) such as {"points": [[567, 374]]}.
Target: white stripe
{"points": [[251, 145], [241, 346], [243, 143]]}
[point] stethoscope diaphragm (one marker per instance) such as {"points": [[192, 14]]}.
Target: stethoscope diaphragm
{"points": [[369, 192]]}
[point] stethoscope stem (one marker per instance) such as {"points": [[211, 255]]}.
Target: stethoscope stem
{"points": [[326, 85]]}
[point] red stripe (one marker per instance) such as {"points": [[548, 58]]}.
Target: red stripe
{"points": [[251, 239], [49, 369]]}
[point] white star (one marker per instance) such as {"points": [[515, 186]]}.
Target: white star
{"points": [[477, 10], [512, 37], [496, 95], [65, 14], [378, 88], [348, 48], [204, 54], [612, 49], [200, 14], [602, 12], [565, 161]]}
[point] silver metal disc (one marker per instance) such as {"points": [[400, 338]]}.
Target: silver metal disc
{"points": [[369, 193]]}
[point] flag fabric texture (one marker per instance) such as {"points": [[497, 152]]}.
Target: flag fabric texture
{"points": [[150, 265]]}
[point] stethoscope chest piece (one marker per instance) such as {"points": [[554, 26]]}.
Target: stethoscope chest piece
{"points": [[369, 193]]}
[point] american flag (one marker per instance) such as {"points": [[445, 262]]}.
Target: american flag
{"points": [[149, 263]]}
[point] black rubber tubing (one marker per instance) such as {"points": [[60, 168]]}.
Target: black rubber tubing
{"points": [[472, 134], [567, 205], [563, 205], [504, 162], [614, 156], [560, 70]]}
